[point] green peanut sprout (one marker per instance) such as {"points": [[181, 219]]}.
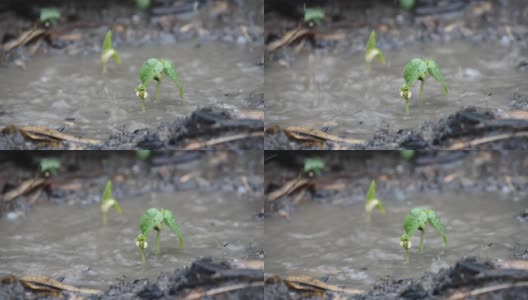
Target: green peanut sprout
{"points": [[109, 52], [313, 166], [313, 16], [153, 69], [417, 219], [417, 69], [373, 201], [108, 201], [373, 51], [49, 166], [153, 219], [49, 16]]}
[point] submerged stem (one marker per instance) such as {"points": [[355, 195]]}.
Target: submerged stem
{"points": [[104, 218], [406, 106], [158, 90], [406, 256], [142, 255], [422, 90], [422, 233], [158, 242], [142, 105]]}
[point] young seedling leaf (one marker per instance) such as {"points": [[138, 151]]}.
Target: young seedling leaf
{"points": [[434, 70], [51, 15], [168, 218], [434, 221], [149, 220], [51, 165], [109, 200], [313, 15], [170, 70], [415, 69], [315, 165], [415, 219], [108, 51], [151, 69], [372, 51], [372, 200]]}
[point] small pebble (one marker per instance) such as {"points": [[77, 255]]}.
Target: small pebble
{"points": [[12, 216]]}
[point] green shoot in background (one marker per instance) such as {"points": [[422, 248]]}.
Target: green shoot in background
{"points": [[153, 219], [143, 154], [313, 166], [49, 166], [417, 69], [313, 16], [143, 4], [108, 201], [109, 52], [373, 51], [373, 201], [407, 4], [417, 219], [49, 16], [153, 69], [407, 154]]}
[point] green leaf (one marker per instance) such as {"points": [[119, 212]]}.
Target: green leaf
{"points": [[151, 69], [372, 200], [170, 70], [434, 70], [150, 219], [371, 44], [315, 165], [51, 165], [168, 217], [107, 194], [415, 69], [107, 44], [51, 15], [434, 221], [413, 220], [314, 15]]}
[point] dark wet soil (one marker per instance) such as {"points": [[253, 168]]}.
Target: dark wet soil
{"points": [[191, 133], [220, 279], [81, 30], [345, 30], [484, 279], [82, 175]]}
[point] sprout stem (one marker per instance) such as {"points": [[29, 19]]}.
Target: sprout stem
{"points": [[104, 217], [158, 90], [422, 90], [142, 105], [158, 242], [406, 106], [142, 255], [422, 233], [406, 256]]}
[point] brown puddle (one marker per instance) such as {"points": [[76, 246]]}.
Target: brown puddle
{"points": [[338, 242], [70, 92], [88, 254], [338, 91]]}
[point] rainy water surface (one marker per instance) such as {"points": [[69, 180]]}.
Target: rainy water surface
{"points": [[70, 93], [338, 243], [339, 92], [71, 242]]}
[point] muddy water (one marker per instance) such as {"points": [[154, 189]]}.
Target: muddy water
{"points": [[325, 90], [70, 92], [72, 242], [324, 240]]}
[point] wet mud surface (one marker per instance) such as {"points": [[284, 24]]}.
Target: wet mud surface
{"points": [[118, 124], [493, 181], [338, 105]]}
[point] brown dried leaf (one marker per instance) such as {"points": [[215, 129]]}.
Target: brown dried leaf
{"points": [[41, 133], [308, 283], [310, 134], [43, 283], [287, 188], [24, 187]]}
